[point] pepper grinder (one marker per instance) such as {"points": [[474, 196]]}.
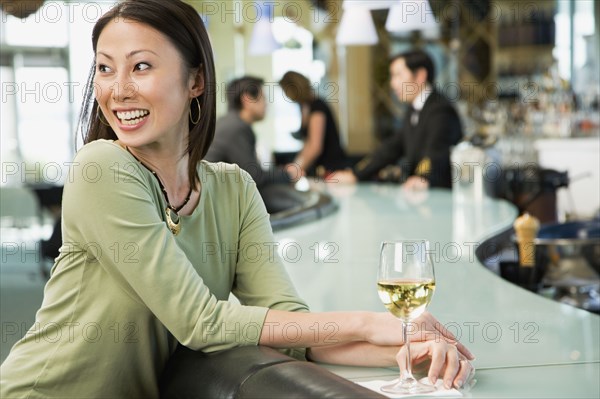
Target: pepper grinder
{"points": [[526, 229]]}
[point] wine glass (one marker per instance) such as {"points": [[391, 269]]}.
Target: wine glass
{"points": [[405, 284]]}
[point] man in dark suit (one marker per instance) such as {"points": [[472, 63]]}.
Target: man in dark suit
{"points": [[420, 151]]}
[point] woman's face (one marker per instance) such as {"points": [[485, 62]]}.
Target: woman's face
{"points": [[142, 85]]}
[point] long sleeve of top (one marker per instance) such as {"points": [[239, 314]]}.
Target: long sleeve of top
{"points": [[235, 142], [124, 290], [388, 152], [424, 147]]}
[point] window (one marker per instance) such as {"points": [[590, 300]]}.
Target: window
{"points": [[45, 59], [574, 25]]}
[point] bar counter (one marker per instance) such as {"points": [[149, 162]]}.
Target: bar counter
{"points": [[526, 345]]}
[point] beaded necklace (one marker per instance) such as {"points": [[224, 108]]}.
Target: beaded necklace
{"points": [[171, 212]]}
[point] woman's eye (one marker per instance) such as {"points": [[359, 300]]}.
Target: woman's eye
{"points": [[142, 66], [103, 68]]}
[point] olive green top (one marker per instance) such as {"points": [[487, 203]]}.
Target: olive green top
{"points": [[124, 290]]}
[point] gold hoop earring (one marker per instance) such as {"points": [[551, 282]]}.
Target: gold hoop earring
{"points": [[99, 115], [195, 122]]}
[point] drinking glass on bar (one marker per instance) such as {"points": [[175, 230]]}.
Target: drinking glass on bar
{"points": [[405, 284]]}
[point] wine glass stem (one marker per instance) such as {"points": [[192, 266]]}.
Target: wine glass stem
{"points": [[407, 374]]}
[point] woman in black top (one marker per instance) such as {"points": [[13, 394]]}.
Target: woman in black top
{"points": [[322, 151]]}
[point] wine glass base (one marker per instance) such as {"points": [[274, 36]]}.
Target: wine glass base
{"points": [[408, 386]]}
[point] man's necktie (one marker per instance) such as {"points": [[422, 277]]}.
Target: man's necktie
{"points": [[414, 116]]}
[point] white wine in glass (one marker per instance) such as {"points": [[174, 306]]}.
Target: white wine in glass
{"points": [[405, 284]]}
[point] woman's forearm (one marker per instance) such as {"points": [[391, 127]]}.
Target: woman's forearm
{"points": [[314, 142], [307, 156], [355, 354], [310, 330], [303, 330]]}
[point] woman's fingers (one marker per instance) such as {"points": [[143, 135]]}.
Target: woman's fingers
{"points": [[448, 336], [437, 351], [452, 366], [428, 328], [401, 358], [445, 361], [443, 357], [418, 352], [465, 374]]}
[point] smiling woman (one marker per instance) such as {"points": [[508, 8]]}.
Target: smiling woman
{"points": [[137, 72], [135, 278], [146, 98]]}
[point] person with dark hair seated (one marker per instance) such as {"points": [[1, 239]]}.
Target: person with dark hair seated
{"points": [[235, 141], [418, 155]]}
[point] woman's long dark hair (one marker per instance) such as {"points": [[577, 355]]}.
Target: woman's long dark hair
{"points": [[182, 25], [297, 87]]}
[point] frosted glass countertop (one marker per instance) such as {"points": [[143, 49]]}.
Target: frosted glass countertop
{"points": [[333, 263]]}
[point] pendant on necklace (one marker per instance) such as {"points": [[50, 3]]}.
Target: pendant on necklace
{"points": [[174, 224]]}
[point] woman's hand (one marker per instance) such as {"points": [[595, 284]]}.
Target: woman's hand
{"points": [[342, 177], [294, 171], [416, 183], [387, 330], [446, 362], [432, 328]]}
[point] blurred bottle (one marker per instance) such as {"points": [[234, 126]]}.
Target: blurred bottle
{"points": [[468, 161]]}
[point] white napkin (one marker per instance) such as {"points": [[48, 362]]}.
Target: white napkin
{"points": [[375, 385]]}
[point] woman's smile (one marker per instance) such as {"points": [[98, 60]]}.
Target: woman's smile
{"points": [[132, 119]]}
